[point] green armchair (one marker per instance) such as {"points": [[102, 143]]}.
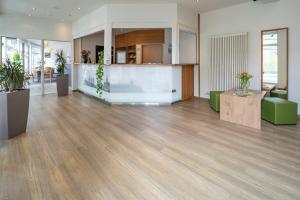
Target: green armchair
{"points": [[214, 101], [279, 111]]}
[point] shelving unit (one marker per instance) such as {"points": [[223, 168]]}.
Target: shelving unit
{"points": [[131, 55]]}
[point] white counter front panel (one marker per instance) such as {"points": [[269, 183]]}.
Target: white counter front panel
{"points": [[126, 84]]}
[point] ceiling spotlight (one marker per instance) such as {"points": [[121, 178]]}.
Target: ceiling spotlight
{"points": [[78, 8], [33, 9]]}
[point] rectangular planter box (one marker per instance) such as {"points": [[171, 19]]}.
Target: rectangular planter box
{"points": [[62, 83], [14, 108]]}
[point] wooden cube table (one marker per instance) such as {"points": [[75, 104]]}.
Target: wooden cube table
{"points": [[244, 111]]}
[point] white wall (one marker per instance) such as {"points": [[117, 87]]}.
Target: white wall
{"points": [[142, 15], [90, 42], [187, 47], [252, 18], [90, 23], [34, 28], [167, 59], [187, 19]]}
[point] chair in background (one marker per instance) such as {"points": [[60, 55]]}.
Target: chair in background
{"points": [[48, 72]]}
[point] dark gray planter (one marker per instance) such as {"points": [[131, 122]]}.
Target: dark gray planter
{"points": [[14, 108], [62, 83]]}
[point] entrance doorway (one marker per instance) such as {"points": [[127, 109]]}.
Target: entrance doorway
{"points": [[39, 61]]}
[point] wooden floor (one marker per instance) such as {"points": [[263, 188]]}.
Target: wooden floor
{"points": [[79, 148]]}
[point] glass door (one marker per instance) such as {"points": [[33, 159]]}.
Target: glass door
{"points": [[50, 67]]}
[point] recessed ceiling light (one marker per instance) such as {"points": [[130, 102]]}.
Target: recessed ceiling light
{"points": [[33, 9], [78, 8], [29, 15]]}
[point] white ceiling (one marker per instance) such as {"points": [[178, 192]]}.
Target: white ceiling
{"points": [[68, 9]]}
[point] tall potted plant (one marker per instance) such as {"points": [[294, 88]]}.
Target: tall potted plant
{"points": [[62, 80], [14, 99]]}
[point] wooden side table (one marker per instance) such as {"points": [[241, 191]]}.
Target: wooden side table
{"points": [[244, 111]]}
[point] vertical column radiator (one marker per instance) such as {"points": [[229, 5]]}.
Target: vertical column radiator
{"points": [[227, 58]]}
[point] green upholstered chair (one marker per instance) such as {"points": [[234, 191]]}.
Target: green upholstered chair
{"points": [[279, 93], [279, 111], [214, 101]]}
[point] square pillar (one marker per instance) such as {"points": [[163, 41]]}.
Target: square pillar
{"points": [[175, 44], [107, 44]]}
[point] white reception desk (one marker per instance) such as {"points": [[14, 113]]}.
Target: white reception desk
{"points": [[133, 84]]}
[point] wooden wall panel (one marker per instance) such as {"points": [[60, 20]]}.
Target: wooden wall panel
{"points": [[152, 53], [155, 36], [187, 82], [121, 41]]}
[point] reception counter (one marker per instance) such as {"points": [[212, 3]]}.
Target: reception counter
{"points": [[133, 84]]}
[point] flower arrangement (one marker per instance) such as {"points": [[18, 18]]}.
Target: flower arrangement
{"points": [[245, 80], [85, 55]]}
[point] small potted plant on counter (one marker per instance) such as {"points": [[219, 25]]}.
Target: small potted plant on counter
{"points": [[14, 99], [62, 80]]}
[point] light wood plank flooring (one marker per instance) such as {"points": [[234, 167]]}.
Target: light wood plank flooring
{"points": [[79, 148]]}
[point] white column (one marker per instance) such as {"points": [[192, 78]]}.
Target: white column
{"points": [[42, 68], [107, 43], [175, 44], [30, 57], [0, 49], [74, 69]]}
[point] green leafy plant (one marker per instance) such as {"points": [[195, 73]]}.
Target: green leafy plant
{"points": [[60, 61], [12, 74], [100, 73]]}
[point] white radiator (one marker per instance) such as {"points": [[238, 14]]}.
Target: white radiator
{"points": [[227, 58]]}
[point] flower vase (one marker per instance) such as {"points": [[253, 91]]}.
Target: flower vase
{"points": [[245, 87], [85, 59]]}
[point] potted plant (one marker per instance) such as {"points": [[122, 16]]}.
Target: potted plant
{"points": [[14, 99], [62, 80]]}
